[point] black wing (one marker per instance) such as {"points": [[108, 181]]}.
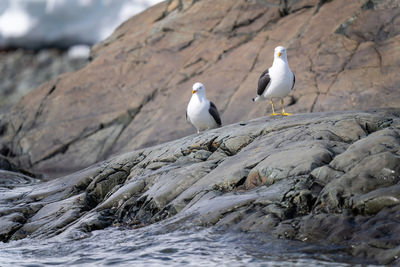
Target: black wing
{"points": [[294, 81], [214, 113], [263, 82]]}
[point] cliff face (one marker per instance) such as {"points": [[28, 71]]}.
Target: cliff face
{"points": [[134, 92], [323, 178]]}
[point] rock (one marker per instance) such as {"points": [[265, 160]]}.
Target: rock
{"points": [[24, 70], [6, 164], [9, 224], [13, 179], [372, 161], [376, 200], [322, 178], [344, 55], [11, 173]]}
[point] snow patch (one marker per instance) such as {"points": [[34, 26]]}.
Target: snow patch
{"points": [[63, 23], [79, 51]]}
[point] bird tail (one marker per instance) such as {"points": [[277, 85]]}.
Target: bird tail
{"points": [[256, 98]]}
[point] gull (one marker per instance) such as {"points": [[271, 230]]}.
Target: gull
{"points": [[277, 81], [201, 112]]}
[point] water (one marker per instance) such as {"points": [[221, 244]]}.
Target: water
{"points": [[150, 246]]}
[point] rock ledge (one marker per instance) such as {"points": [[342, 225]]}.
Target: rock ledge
{"points": [[319, 178]]}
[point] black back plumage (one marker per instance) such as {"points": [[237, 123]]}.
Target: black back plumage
{"points": [[214, 113], [263, 82], [294, 81]]}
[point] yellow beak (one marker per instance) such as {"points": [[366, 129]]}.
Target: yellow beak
{"points": [[279, 54], [194, 91]]}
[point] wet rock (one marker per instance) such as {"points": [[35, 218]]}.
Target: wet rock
{"points": [[51, 217], [344, 54], [376, 200], [9, 224], [369, 163], [330, 178], [7, 165]]}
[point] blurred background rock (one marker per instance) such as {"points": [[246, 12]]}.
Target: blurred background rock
{"points": [[41, 39], [22, 70]]}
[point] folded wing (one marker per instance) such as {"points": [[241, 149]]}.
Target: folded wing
{"points": [[263, 82], [214, 113]]}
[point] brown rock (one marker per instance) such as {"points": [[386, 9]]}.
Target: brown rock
{"points": [[135, 91]]}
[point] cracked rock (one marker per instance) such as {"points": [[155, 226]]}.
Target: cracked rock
{"points": [[278, 177]]}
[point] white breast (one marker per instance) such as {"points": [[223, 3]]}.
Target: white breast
{"points": [[281, 81], [198, 113]]}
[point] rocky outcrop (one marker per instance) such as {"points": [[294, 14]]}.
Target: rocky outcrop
{"points": [[134, 92], [328, 178]]}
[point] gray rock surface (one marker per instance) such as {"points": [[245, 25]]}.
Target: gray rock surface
{"points": [[330, 178]]}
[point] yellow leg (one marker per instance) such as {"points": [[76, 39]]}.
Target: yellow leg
{"points": [[273, 109], [283, 109]]}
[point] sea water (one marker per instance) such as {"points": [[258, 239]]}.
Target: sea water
{"points": [[151, 246]]}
